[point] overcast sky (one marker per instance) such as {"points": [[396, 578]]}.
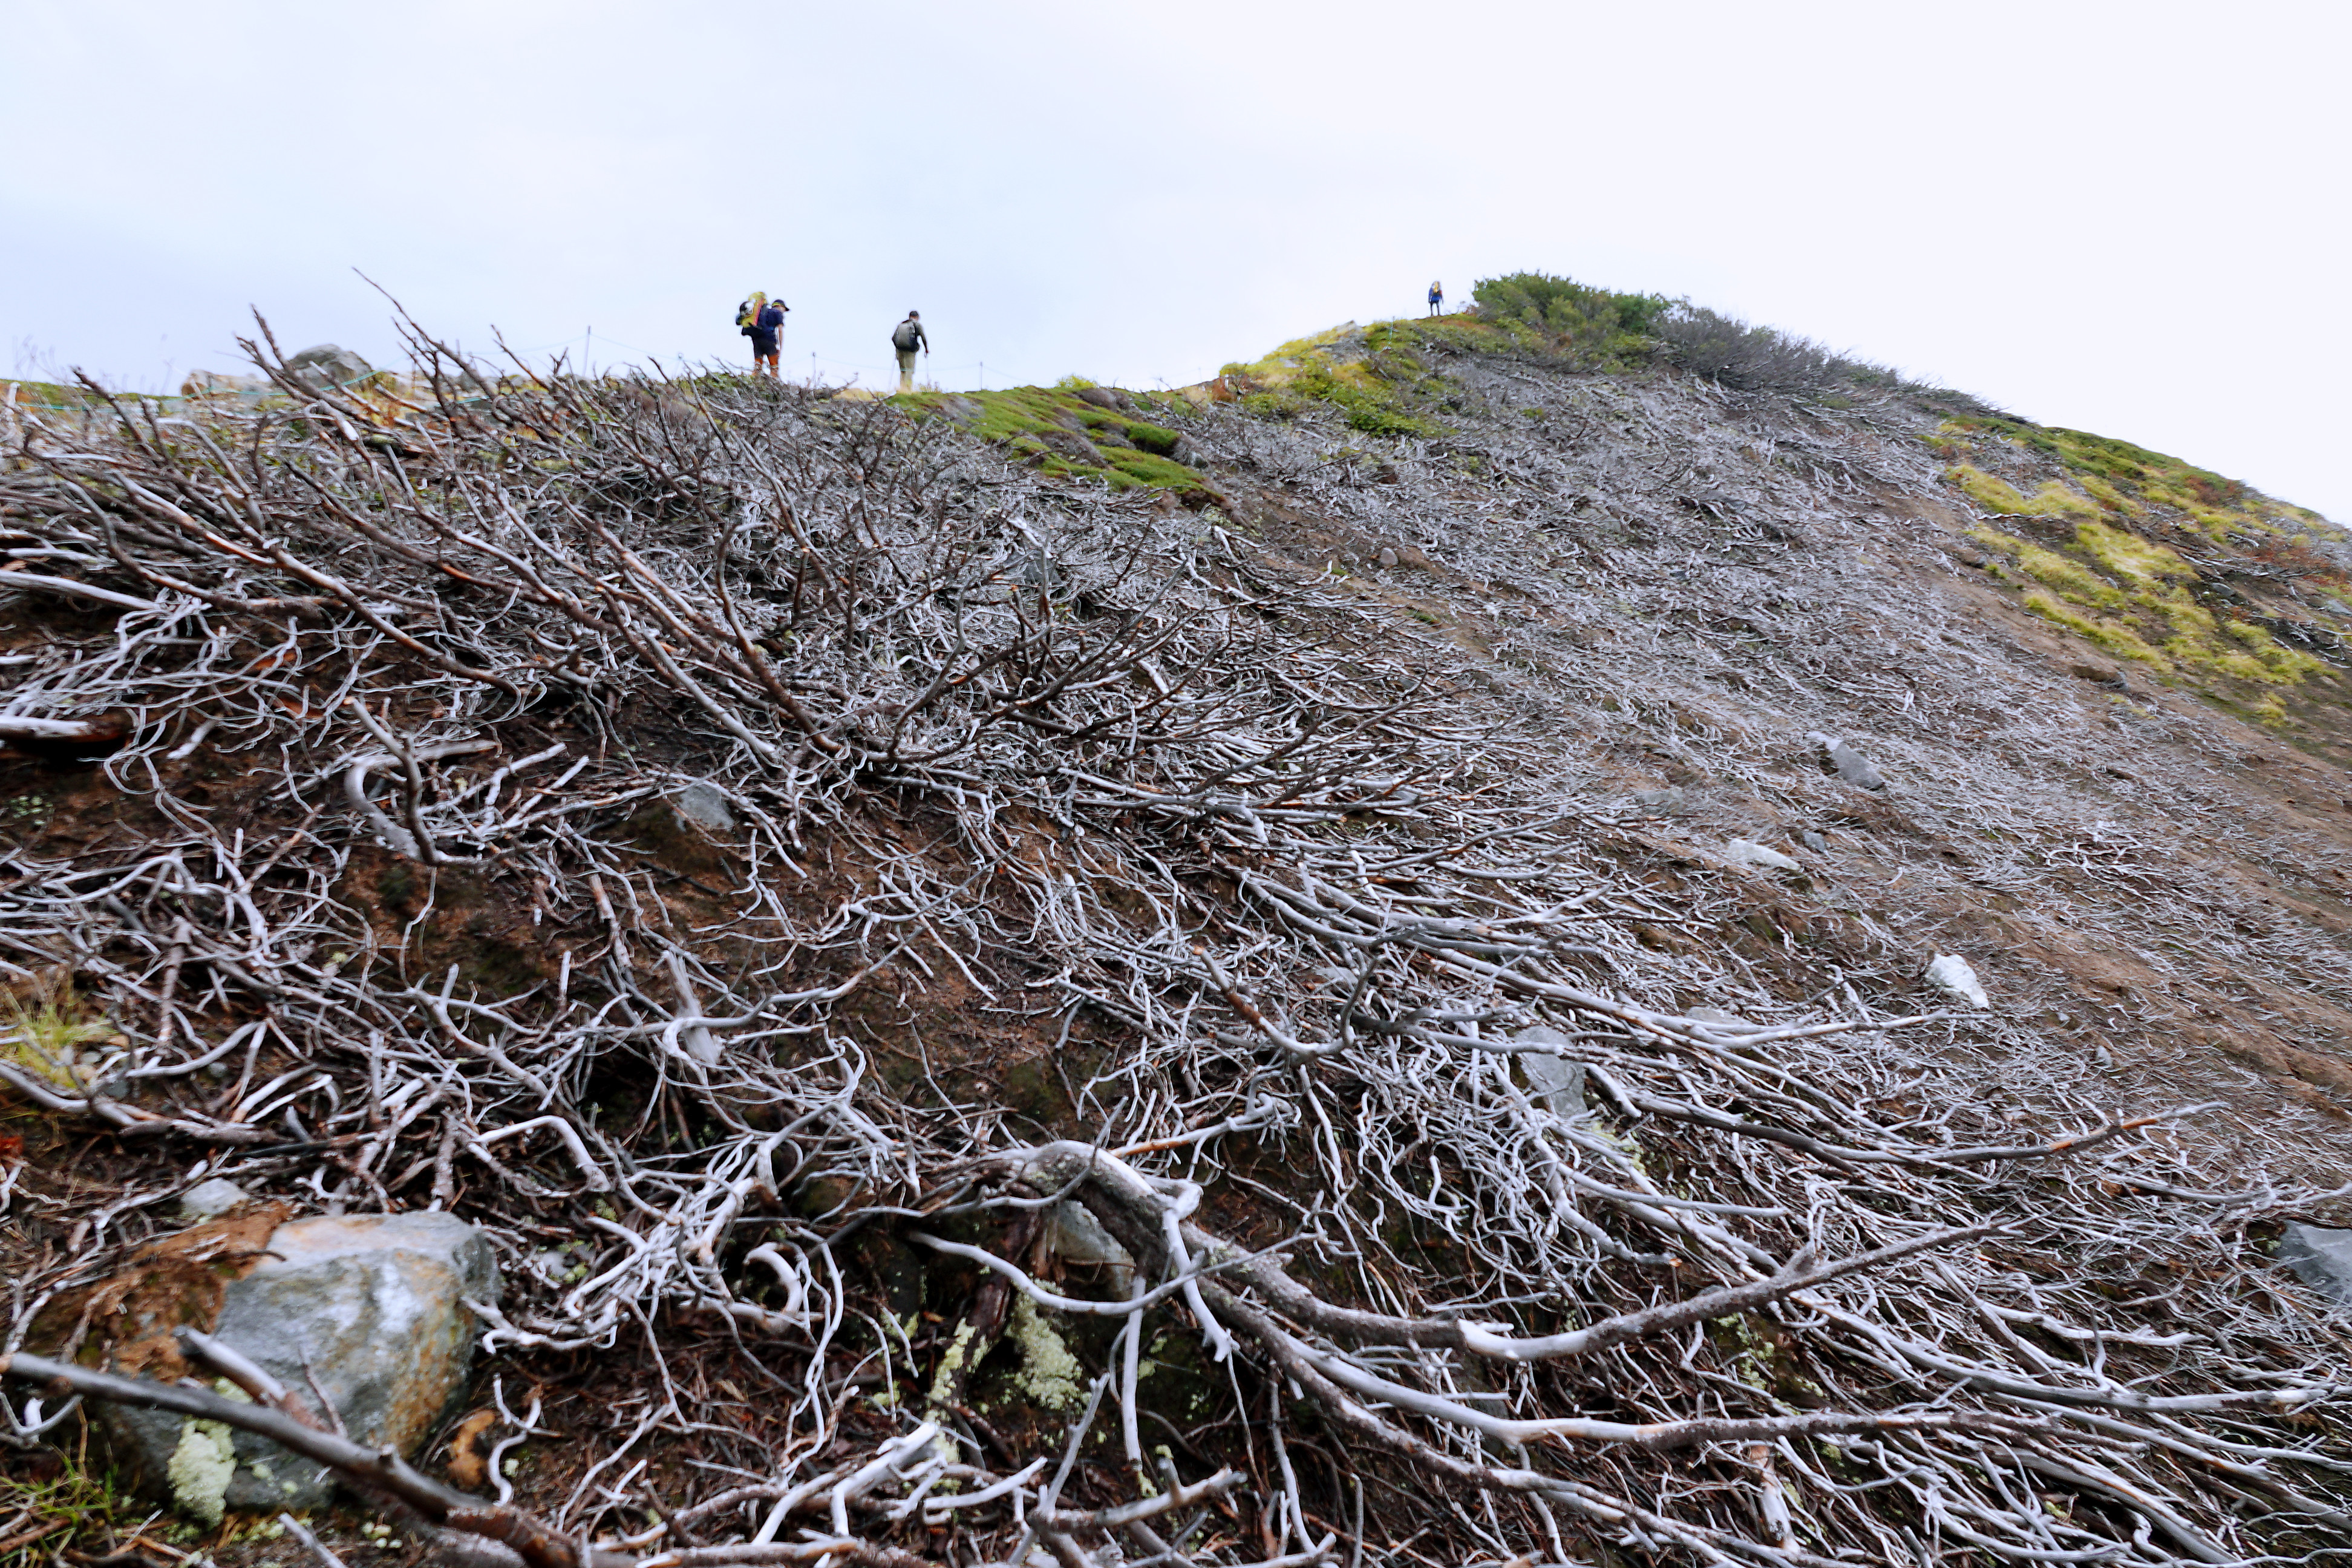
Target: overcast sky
{"points": [[2126, 217]]}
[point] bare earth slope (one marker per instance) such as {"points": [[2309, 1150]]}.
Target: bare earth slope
{"points": [[1280, 975], [1676, 588]]}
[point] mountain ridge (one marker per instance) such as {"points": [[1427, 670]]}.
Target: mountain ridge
{"points": [[1350, 847]]}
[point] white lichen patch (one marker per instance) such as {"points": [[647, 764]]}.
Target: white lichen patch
{"points": [[1049, 1373], [200, 1468], [951, 1367]]}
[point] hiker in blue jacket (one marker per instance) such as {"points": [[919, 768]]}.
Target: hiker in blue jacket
{"points": [[1437, 299], [766, 329]]}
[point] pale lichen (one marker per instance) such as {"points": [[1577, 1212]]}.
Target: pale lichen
{"points": [[1049, 1373], [200, 1468], [952, 1366]]}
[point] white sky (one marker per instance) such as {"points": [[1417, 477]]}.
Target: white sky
{"points": [[2126, 217]]}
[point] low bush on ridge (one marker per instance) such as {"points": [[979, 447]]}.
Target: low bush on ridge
{"points": [[1601, 329]]}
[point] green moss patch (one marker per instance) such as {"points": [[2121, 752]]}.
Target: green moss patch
{"points": [[2139, 599], [1065, 436], [47, 394], [1376, 376], [2125, 479]]}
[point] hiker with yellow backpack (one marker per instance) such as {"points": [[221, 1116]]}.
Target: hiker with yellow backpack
{"points": [[762, 321]]}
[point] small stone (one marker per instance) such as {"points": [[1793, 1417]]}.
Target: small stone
{"points": [[706, 804], [1951, 973], [1747, 852], [2320, 1258], [1387, 557], [205, 1199], [1813, 841], [1849, 764], [1557, 1082], [2091, 669]]}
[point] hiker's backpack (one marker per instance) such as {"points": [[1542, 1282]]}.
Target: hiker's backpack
{"points": [[905, 336], [747, 318]]}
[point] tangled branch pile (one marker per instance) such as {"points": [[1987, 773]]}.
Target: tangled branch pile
{"points": [[650, 819]]}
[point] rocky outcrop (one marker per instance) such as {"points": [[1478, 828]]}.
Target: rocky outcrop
{"points": [[328, 364], [214, 383]]}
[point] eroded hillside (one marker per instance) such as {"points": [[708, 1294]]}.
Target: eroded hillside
{"points": [[1279, 974]]}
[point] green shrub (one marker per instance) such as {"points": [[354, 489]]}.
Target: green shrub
{"points": [[1596, 327], [1751, 359]]}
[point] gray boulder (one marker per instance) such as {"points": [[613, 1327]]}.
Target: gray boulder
{"points": [[1763, 857], [2321, 1259], [374, 1310], [1557, 1081], [1073, 1235], [208, 1200], [327, 365], [1070, 446], [1849, 764], [708, 804]]}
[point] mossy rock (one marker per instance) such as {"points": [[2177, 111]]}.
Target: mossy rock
{"points": [[1156, 440]]}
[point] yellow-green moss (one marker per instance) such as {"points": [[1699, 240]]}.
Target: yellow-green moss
{"points": [[1015, 419], [2071, 580], [1377, 390], [2128, 555], [2130, 479], [2123, 591], [2113, 636], [2110, 497], [1997, 495]]}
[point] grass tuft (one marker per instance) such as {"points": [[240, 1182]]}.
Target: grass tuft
{"points": [[47, 1035]]}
